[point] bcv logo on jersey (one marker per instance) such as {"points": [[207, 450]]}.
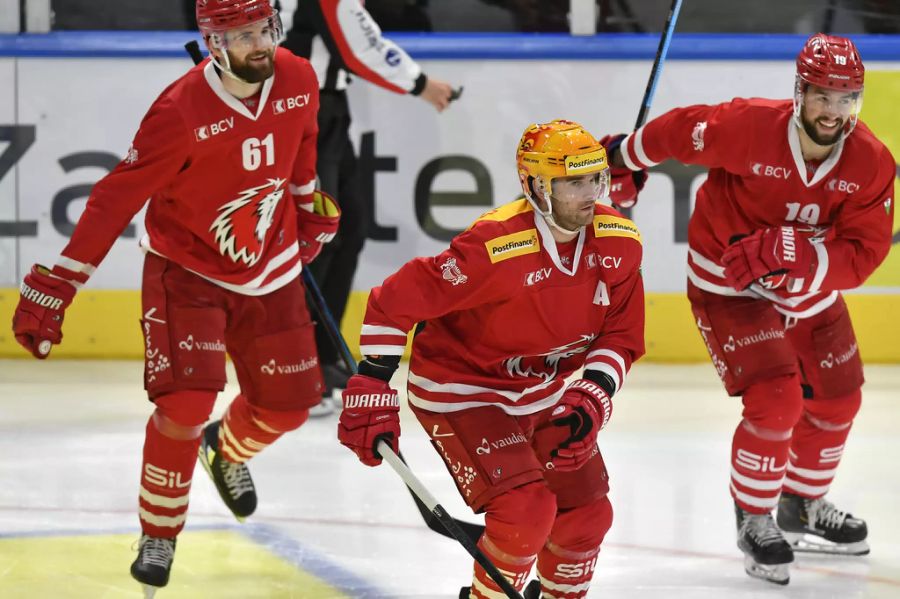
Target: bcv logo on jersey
{"points": [[282, 105], [206, 131], [533, 278], [767, 170], [842, 186]]}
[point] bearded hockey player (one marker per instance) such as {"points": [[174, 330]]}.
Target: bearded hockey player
{"points": [[797, 207], [532, 292], [227, 156]]}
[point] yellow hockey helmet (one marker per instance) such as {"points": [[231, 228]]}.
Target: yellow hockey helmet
{"points": [[559, 148]]}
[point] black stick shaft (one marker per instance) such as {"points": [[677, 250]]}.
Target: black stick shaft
{"points": [[420, 491], [331, 326]]}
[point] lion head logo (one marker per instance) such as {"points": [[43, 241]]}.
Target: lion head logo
{"points": [[547, 365], [242, 224]]}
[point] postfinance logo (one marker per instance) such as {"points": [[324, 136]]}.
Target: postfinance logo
{"points": [[606, 225], [512, 245], [591, 162]]}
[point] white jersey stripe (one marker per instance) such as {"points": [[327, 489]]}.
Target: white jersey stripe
{"points": [[374, 329], [444, 407]]}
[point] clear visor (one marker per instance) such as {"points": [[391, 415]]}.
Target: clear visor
{"points": [[822, 102], [261, 35], [581, 188]]}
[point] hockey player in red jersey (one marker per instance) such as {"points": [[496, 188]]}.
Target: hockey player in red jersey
{"points": [[227, 156], [798, 206], [532, 292]]}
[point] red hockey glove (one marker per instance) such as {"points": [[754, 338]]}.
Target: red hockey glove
{"points": [[624, 184], [37, 321], [318, 216], [776, 250], [585, 408], [371, 413]]}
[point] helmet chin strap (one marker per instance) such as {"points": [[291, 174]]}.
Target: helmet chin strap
{"points": [[226, 68], [548, 214]]}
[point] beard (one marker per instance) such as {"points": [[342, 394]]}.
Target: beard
{"points": [[250, 72], [818, 138]]}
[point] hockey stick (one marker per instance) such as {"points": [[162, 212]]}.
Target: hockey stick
{"points": [[661, 52], [331, 326], [193, 50], [471, 530], [416, 487]]}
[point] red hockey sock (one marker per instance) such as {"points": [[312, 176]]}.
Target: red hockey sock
{"points": [[170, 452], [757, 468], [818, 444], [517, 524], [566, 563], [514, 568], [247, 429], [165, 482]]}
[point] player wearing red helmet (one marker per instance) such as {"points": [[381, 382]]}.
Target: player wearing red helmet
{"points": [[828, 92], [241, 36], [227, 156], [798, 206]]}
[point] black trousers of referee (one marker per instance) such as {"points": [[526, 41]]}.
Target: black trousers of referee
{"points": [[335, 266]]}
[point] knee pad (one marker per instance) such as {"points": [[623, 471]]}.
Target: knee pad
{"points": [[519, 521], [835, 410], [182, 414], [775, 404], [583, 528]]}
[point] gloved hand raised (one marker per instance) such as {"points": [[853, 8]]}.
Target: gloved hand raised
{"points": [[624, 184], [371, 412], [775, 250], [585, 408], [37, 321], [318, 217]]}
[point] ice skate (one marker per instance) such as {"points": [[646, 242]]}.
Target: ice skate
{"points": [[766, 553], [335, 378], [154, 562], [324, 408], [232, 480], [533, 590], [816, 526]]}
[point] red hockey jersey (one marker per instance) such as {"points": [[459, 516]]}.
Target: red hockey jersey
{"points": [[507, 314], [219, 176], [758, 179]]}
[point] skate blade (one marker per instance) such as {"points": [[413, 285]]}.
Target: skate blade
{"points": [[149, 591], [776, 573], [808, 543]]}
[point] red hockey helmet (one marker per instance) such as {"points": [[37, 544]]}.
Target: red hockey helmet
{"points": [[831, 62], [220, 15], [216, 17]]}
